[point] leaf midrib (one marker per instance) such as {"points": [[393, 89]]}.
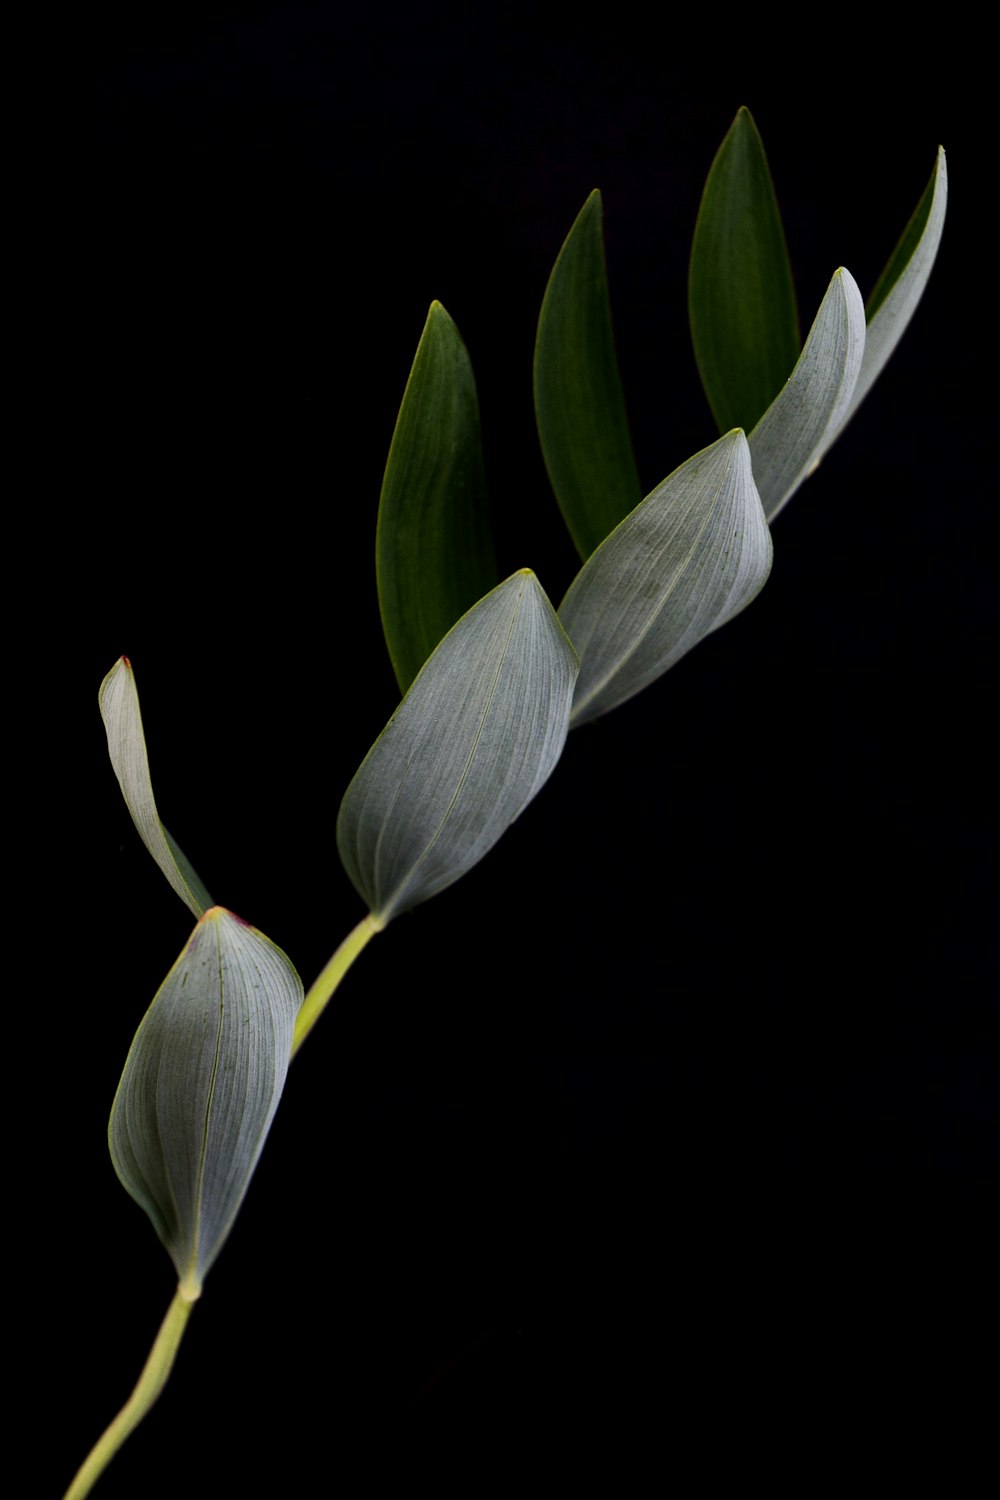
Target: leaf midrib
{"points": [[196, 1237]]}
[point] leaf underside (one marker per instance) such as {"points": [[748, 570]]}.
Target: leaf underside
{"points": [[901, 285], [693, 554], [118, 699], [201, 1084], [805, 418], [473, 741]]}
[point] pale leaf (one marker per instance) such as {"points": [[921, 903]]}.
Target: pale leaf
{"points": [[201, 1084], [806, 415], [119, 704], [687, 559], [475, 738]]}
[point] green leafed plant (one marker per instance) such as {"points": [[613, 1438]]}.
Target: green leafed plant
{"points": [[582, 421], [741, 295], [493, 677]]}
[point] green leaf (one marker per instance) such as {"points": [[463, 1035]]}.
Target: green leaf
{"points": [[741, 296], [434, 551], [119, 704], [686, 560], [579, 404], [901, 285], [473, 741], [200, 1087], [802, 422]]}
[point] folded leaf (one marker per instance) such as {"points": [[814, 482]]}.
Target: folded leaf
{"points": [[200, 1087], [901, 285], [434, 551], [579, 404], [119, 704], [686, 560], [475, 738], [802, 422], [741, 296]]}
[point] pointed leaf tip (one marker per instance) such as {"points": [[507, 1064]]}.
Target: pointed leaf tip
{"points": [[805, 417], [686, 560], [902, 283], [118, 699]]}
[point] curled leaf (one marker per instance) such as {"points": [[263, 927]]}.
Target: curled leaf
{"points": [[473, 741], [200, 1086], [741, 296], [686, 560], [901, 285], [119, 704], [806, 416]]}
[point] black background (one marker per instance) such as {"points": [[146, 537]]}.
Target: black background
{"points": [[671, 1127]]}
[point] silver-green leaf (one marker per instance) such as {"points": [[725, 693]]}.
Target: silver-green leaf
{"points": [[201, 1085], [473, 741], [805, 417], [119, 703], [687, 559], [901, 285]]}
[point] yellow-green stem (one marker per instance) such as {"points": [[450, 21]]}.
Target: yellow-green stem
{"points": [[157, 1368], [151, 1382], [320, 992]]}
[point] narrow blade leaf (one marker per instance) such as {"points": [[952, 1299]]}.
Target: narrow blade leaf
{"points": [[434, 551], [579, 403], [200, 1087], [741, 296], [802, 422], [472, 742], [686, 560], [901, 285], [119, 703]]}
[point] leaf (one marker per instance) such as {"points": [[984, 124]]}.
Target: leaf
{"points": [[472, 742], [200, 1087], [434, 551], [579, 403], [686, 560], [119, 703], [901, 285], [741, 295], [802, 422]]}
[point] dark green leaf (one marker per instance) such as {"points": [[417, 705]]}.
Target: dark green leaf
{"points": [[434, 551], [741, 296], [579, 403]]}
